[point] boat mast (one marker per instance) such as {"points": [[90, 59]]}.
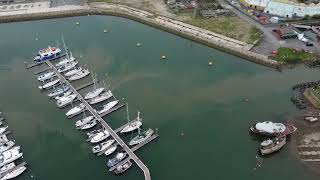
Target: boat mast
{"points": [[127, 112], [65, 48]]}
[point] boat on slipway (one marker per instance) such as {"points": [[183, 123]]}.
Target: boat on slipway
{"points": [[122, 168], [47, 54], [64, 101], [102, 146], [102, 97], [58, 91], [73, 71], [46, 76], [14, 173], [268, 128], [7, 167], [272, 145], [108, 106], [89, 125], [75, 110], [100, 136], [67, 67], [83, 73], [141, 137], [49, 84], [10, 155], [6, 146], [118, 158], [111, 150], [133, 125], [84, 121]]}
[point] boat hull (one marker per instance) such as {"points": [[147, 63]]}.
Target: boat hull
{"points": [[288, 130]]}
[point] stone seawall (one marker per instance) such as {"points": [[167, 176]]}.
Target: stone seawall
{"points": [[212, 40]]}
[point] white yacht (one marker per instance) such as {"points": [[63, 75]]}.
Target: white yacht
{"points": [[75, 110], [102, 146], [84, 121], [49, 84], [10, 155], [141, 137], [62, 102], [3, 129], [93, 133], [94, 93], [3, 139], [59, 91], [101, 97], [7, 167], [63, 95], [83, 73], [6, 146], [14, 173], [46, 76], [108, 106], [133, 125], [66, 60], [73, 71], [110, 150], [100, 136], [89, 125], [67, 66]]}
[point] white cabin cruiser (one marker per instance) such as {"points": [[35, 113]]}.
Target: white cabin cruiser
{"points": [[49, 84], [3, 129], [84, 121], [10, 155], [89, 125], [7, 167], [93, 133], [111, 150], [94, 93], [62, 102], [101, 97], [83, 73], [6, 146], [108, 106], [102, 146], [14, 173], [68, 66], [100, 136], [75, 110], [73, 71], [46, 76]]}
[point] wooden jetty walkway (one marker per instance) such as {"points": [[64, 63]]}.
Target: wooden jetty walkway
{"points": [[126, 148]]}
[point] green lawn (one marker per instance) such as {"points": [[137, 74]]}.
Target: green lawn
{"points": [[292, 56]]}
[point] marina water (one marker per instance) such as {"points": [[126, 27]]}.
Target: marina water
{"points": [[199, 110]]}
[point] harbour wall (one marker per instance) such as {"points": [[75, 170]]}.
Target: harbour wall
{"points": [[196, 34]]}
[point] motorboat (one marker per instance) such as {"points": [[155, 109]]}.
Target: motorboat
{"points": [[67, 66], [73, 71], [272, 145], [141, 137], [118, 158], [75, 110], [49, 84], [59, 91], [81, 74], [10, 155], [84, 121], [94, 93], [101, 97], [89, 125], [133, 125], [63, 95], [6, 146], [268, 128], [14, 173], [47, 54], [100, 136], [122, 168], [46, 76], [111, 150], [3, 139], [64, 101], [3, 129], [66, 60], [108, 106], [102, 146], [7, 167], [93, 133]]}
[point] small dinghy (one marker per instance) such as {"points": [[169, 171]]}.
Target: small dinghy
{"points": [[75, 110], [108, 106], [118, 158], [272, 145], [84, 121], [93, 93], [3, 129], [101, 97], [122, 168], [62, 102], [73, 71], [46, 76], [7, 167], [14, 173], [83, 73], [89, 125], [111, 150], [102, 146], [100, 136], [6, 146], [49, 84]]}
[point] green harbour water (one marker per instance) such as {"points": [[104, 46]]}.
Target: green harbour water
{"points": [[181, 94]]}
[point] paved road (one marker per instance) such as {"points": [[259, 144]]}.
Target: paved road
{"points": [[105, 125]]}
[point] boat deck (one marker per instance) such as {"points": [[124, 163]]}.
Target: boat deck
{"points": [[121, 127], [112, 110], [38, 64], [15, 168]]}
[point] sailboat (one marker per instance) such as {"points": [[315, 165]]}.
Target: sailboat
{"points": [[102, 146], [72, 72], [58, 91], [62, 102], [141, 137], [49, 84], [108, 106], [46, 76], [75, 110], [118, 158], [111, 149], [84, 121], [14, 173], [67, 66], [65, 94], [100, 136], [95, 92], [133, 125], [81, 74], [67, 60], [101, 97], [6, 146], [89, 125]]}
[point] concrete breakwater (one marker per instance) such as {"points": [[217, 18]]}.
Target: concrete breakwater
{"points": [[203, 36]]}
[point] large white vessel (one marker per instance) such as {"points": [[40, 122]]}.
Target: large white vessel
{"points": [[75, 110], [62, 102], [49, 84], [100, 136], [83, 73], [46, 76], [108, 106], [10, 155], [14, 173], [101, 97]]}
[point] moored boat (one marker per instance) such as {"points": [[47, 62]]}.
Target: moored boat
{"points": [[84, 121], [272, 145], [46, 76], [133, 125], [108, 106], [10, 155], [268, 128], [141, 137], [93, 133], [100, 136], [59, 91], [64, 101], [75, 110], [111, 150], [81, 74], [123, 167], [6, 146], [67, 66], [3, 129], [118, 158], [14, 173], [73, 71], [47, 54], [66, 60], [102, 146], [101, 97], [7, 167], [3, 139], [94, 93], [49, 84], [89, 125], [63, 95]]}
